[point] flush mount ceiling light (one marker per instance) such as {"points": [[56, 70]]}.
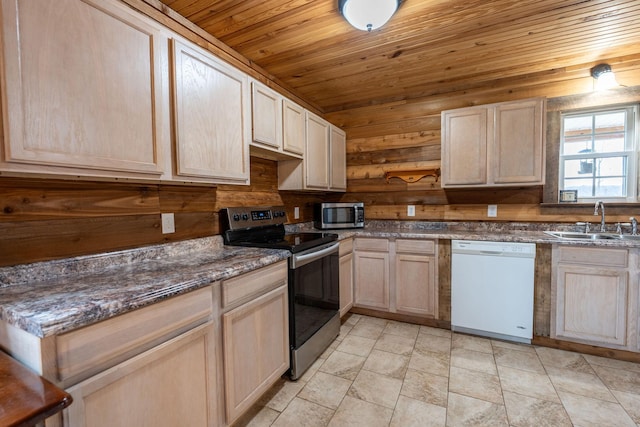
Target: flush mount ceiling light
{"points": [[367, 15], [605, 79]]}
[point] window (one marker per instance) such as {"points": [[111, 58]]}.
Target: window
{"points": [[598, 154]]}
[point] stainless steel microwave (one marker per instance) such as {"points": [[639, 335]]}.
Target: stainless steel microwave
{"points": [[338, 215]]}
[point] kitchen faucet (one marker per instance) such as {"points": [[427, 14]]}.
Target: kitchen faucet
{"points": [[634, 226], [600, 204]]}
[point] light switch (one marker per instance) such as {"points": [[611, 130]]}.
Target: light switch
{"points": [[492, 211], [411, 210], [296, 213]]}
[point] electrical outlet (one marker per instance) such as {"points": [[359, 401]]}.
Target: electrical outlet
{"points": [[168, 223], [492, 211], [296, 213], [411, 210]]}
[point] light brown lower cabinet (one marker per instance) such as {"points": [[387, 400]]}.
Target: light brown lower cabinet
{"points": [[595, 296], [346, 276], [396, 275], [168, 385]]}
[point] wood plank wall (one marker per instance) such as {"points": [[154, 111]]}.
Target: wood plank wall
{"points": [[42, 219], [405, 135]]}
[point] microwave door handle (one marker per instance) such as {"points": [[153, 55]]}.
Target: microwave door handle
{"points": [[355, 215]]}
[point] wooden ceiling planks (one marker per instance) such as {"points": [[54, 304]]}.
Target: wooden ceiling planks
{"points": [[434, 47]]}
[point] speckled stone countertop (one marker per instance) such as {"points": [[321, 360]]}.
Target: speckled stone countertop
{"points": [[53, 297]]}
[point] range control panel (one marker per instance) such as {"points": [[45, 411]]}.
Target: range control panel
{"points": [[247, 217]]}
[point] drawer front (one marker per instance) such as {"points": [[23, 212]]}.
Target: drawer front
{"points": [[346, 247], [593, 256], [381, 245], [83, 352], [414, 246], [248, 286]]}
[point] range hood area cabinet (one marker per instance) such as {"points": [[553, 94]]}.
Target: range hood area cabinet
{"points": [[277, 124], [494, 145], [88, 95], [324, 165]]}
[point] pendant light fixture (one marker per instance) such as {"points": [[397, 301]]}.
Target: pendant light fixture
{"points": [[367, 15], [605, 79]]}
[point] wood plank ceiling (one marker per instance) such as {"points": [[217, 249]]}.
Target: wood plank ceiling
{"points": [[430, 47]]}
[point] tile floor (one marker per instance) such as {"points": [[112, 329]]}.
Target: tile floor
{"points": [[387, 373]]}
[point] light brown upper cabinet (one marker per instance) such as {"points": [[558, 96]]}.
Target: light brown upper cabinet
{"points": [[277, 124], [85, 92], [324, 164], [211, 117], [494, 145]]}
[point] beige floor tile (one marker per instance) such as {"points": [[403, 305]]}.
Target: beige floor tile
{"points": [[302, 413], [257, 416], [434, 343], [351, 319], [612, 363], [426, 361], [353, 344], [513, 346], [326, 390], [312, 369], [527, 383], [527, 361], [619, 379], [631, 403], [469, 342], [525, 411], [356, 412], [368, 329], [343, 365], [473, 360], [345, 329], [475, 384], [406, 330], [586, 412], [428, 330], [281, 394], [390, 364], [376, 388], [468, 411], [415, 413], [426, 387], [579, 383], [563, 359], [395, 344]]}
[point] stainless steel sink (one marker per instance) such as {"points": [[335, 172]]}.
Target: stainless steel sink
{"points": [[584, 236]]}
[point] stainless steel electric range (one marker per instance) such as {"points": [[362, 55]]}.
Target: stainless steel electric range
{"points": [[314, 299]]}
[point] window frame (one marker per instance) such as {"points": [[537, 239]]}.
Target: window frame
{"points": [[631, 149]]}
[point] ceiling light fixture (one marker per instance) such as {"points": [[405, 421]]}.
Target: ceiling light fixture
{"points": [[605, 79], [367, 15]]}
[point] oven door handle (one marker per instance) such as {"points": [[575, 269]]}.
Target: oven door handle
{"points": [[298, 260]]}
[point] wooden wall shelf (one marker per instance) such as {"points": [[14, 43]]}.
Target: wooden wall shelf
{"points": [[414, 175]]}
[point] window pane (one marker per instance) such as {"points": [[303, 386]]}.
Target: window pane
{"points": [[610, 187], [577, 145], [580, 125], [578, 168], [611, 122], [611, 166], [609, 143], [584, 186]]}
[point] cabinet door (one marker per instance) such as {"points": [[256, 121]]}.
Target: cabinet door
{"points": [[371, 279], [293, 133], [84, 89], [256, 349], [169, 385], [591, 304], [338, 163], [211, 117], [464, 146], [266, 116], [415, 284], [316, 157], [518, 148]]}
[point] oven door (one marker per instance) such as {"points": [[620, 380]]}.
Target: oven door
{"points": [[313, 291]]}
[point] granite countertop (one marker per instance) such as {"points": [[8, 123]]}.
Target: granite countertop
{"points": [[53, 297]]}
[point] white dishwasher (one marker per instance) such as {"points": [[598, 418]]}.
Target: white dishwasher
{"points": [[492, 289]]}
